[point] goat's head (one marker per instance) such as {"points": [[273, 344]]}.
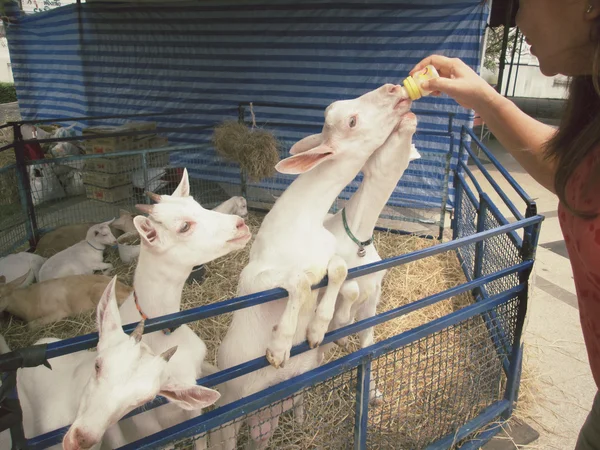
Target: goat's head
{"points": [[126, 375], [100, 234], [7, 288], [353, 129], [124, 222], [241, 206], [396, 153], [192, 235]]}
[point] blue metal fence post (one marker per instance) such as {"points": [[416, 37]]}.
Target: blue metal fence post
{"points": [[145, 169], [362, 405], [480, 246], [243, 180], [458, 189], [445, 195], [530, 240], [24, 185]]}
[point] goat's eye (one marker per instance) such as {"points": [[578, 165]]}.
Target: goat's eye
{"points": [[97, 367], [185, 227], [352, 121], [96, 233]]}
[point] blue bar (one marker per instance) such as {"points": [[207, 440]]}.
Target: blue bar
{"points": [[528, 200], [65, 159], [361, 419], [468, 191], [63, 347], [486, 416], [513, 235], [469, 172], [495, 185], [235, 410], [258, 363]]}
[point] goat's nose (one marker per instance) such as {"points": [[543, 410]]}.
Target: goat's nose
{"points": [[83, 439], [393, 89], [240, 223]]}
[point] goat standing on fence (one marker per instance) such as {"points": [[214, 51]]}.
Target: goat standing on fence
{"points": [[356, 223], [293, 250]]}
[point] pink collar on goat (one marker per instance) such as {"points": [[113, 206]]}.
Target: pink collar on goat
{"points": [[166, 331]]}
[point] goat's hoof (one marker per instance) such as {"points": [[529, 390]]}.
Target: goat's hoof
{"points": [[277, 361]]}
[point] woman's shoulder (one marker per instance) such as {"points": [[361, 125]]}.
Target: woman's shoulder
{"points": [[583, 188]]}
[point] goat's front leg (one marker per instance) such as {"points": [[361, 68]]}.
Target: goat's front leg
{"points": [[46, 320], [282, 338], [106, 268], [337, 271]]}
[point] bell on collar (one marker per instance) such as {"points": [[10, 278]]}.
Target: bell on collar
{"points": [[361, 251]]}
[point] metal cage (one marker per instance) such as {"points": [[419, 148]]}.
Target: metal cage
{"points": [[473, 354]]}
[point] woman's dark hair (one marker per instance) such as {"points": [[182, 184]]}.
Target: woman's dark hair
{"points": [[579, 131]]}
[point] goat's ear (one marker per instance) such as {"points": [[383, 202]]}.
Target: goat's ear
{"points": [[183, 190], [304, 144], [108, 317], [414, 154], [146, 230], [303, 162], [16, 283], [188, 396]]}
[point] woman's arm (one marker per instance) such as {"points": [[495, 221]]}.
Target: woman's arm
{"points": [[523, 136]]}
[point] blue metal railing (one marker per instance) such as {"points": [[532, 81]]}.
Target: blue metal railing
{"points": [[485, 307]]}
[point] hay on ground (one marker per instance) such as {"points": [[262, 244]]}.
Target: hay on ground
{"points": [[429, 387]]}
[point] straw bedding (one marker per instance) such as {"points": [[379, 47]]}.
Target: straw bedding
{"points": [[429, 387]]}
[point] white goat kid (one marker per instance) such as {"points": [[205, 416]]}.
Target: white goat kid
{"points": [[293, 250], [93, 390], [82, 258], [178, 235], [359, 297], [235, 205], [18, 264]]}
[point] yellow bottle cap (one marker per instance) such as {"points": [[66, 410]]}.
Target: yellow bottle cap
{"points": [[412, 89]]}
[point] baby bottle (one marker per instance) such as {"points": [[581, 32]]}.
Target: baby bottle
{"points": [[412, 84]]}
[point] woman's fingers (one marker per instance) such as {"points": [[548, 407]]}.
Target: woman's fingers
{"points": [[446, 67]]}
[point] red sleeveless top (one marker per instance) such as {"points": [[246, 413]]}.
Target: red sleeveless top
{"points": [[582, 238]]}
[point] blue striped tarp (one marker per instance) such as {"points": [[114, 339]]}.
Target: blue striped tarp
{"points": [[206, 57]]}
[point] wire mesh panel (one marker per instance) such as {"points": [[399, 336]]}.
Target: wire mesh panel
{"points": [[95, 188], [440, 382], [499, 253], [13, 227], [466, 225], [321, 416]]}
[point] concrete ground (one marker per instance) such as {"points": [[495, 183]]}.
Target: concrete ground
{"points": [[555, 351]]}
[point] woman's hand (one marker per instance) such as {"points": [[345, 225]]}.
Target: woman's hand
{"points": [[458, 81]]}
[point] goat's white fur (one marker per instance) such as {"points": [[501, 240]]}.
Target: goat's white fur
{"points": [[93, 390], [82, 258], [293, 250], [18, 264], [359, 297], [235, 205], [167, 257]]}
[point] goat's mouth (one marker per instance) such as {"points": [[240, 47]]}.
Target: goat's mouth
{"points": [[402, 102], [242, 237]]}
